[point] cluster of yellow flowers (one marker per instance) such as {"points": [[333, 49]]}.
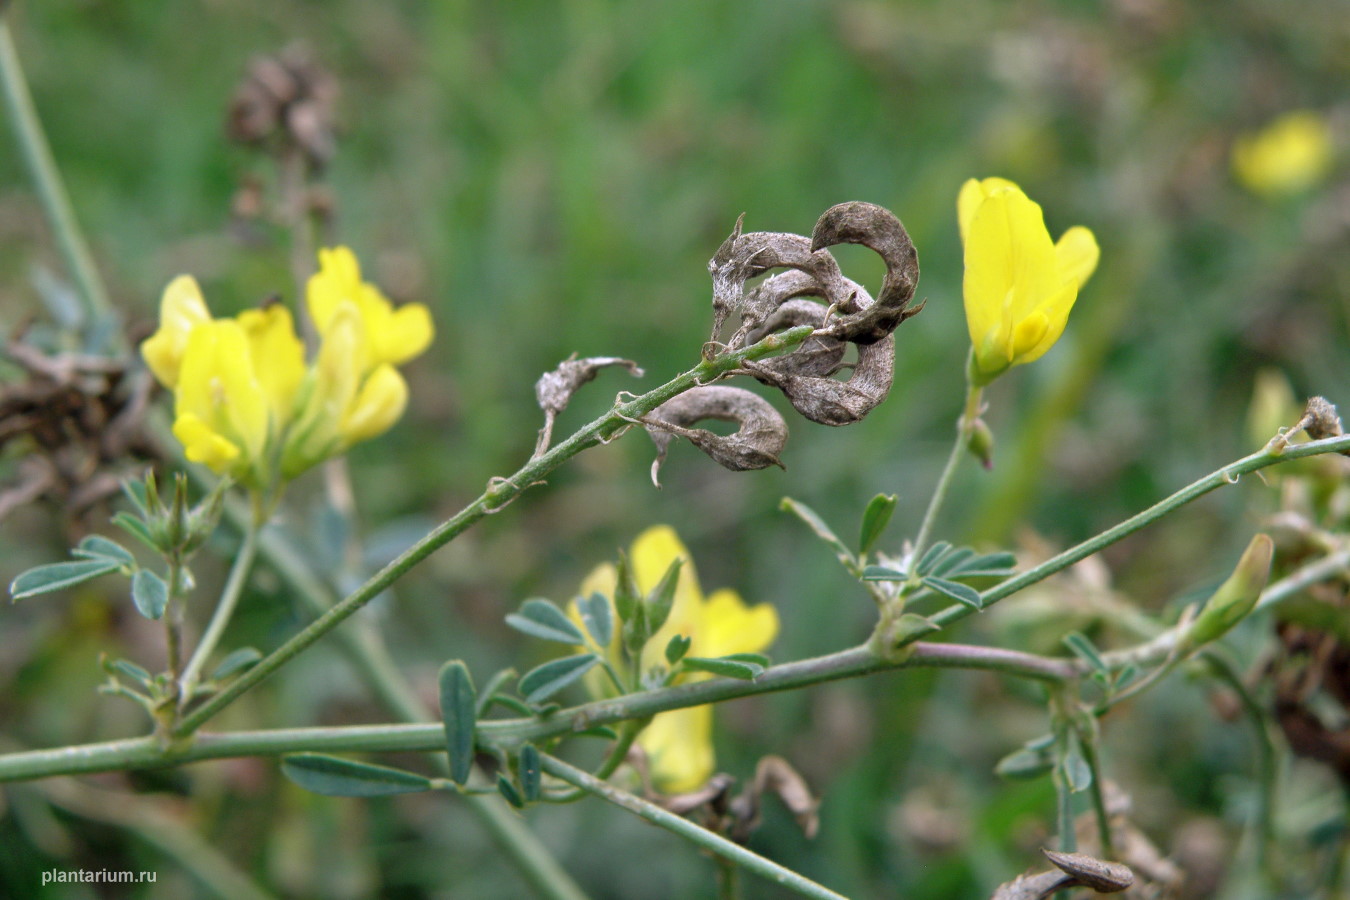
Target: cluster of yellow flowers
{"points": [[245, 402], [1289, 155]]}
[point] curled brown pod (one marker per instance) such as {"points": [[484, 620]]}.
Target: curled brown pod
{"points": [[756, 444], [878, 229]]}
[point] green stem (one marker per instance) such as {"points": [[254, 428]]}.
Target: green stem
{"points": [[696, 834], [1098, 794], [46, 177], [229, 598], [964, 424], [499, 494], [1226, 475], [1267, 771]]}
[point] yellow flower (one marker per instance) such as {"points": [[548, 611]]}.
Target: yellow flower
{"points": [[394, 336], [678, 744], [1289, 155], [245, 401], [1019, 285]]}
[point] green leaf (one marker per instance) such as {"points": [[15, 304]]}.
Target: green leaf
{"points": [[1025, 763], [149, 593], [1076, 771], [912, 625], [540, 618], [544, 681], [822, 531], [1126, 677], [662, 597], [508, 790], [875, 518], [987, 564], [726, 666], [931, 557], [952, 561], [598, 617], [55, 576], [626, 598], [677, 648], [130, 670], [459, 712], [959, 592], [492, 691], [336, 777], [519, 707], [1085, 650], [136, 528], [598, 731], [135, 491], [530, 772], [237, 661], [95, 546], [881, 573]]}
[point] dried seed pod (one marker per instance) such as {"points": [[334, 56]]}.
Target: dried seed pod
{"points": [[773, 774], [819, 355], [554, 389], [1073, 870], [755, 445], [878, 229]]}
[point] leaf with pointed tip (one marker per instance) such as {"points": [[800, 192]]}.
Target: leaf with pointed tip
{"points": [[952, 561], [540, 618], [661, 600], [725, 666], [822, 531], [875, 518], [130, 670], [931, 557], [598, 617], [1085, 650], [96, 546], [136, 528], [530, 773], [1126, 677], [544, 681], [989, 564], [881, 573], [459, 708], [149, 593], [961, 593], [508, 790], [135, 492], [55, 576], [239, 660], [492, 690], [333, 776]]}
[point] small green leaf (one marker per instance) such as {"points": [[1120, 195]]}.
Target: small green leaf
{"points": [[519, 707], [952, 561], [1085, 650], [626, 597], [598, 731], [1126, 677], [959, 592], [55, 576], [931, 557], [492, 690], [135, 491], [677, 648], [1076, 771], [95, 546], [988, 564], [531, 774], [130, 670], [544, 681], [822, 531], [881, 573], [149, 593], [1025, 763], [336, 777], [662, 597], [598, 617], [459, 709], [237, 661], [136, 528], [508, 790], [726, 666], [875, 518], [540, 618]]}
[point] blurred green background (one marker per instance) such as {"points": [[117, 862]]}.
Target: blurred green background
{"points": [[551, 178]]}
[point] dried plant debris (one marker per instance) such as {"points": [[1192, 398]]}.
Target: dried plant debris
{"points": [[1312, 692], [738, 816], [554, 389], [287, 99], [1072, 870], [77, 419], [756, 444]]}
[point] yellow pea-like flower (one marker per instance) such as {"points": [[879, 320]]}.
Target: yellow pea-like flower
{"points": [[180, 310], [221, 408], [678, 744], [393, 335], [1019, 285], [1289, 155]]}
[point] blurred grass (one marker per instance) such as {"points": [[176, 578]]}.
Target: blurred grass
{"points": [[551, 178]]}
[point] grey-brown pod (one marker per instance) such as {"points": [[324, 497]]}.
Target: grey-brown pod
{"points": [[756, 444], [878, 229]]}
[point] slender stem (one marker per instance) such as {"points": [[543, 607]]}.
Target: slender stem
{"points": [[1098, 795], [728, 880], [704, 838], [1226, 475], [229, 598], [1267, 771], [173, 619], [46, 177], [964, 424], [499, 494]]}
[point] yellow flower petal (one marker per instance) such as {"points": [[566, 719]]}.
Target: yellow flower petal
{"points": [[203, 445], [279, 357], [728, 626], [376, 407], [180, 310], [393, 336], [218, 388], [409, 332], [679, 749], [1289, 155], [1077, 253]]}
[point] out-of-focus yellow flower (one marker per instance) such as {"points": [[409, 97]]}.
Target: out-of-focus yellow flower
{"points": [[1019, 284], [678, 744], [1290, 154], [246, 404], [393, 335]]}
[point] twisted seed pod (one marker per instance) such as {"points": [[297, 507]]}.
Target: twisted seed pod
{"points": [[756, 444], [878, 229]]}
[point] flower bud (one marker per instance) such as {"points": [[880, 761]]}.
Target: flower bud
{"points": [[1236, 597], [980, 443]]}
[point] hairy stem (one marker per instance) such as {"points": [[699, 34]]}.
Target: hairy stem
{"points": [[696, 834]]}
